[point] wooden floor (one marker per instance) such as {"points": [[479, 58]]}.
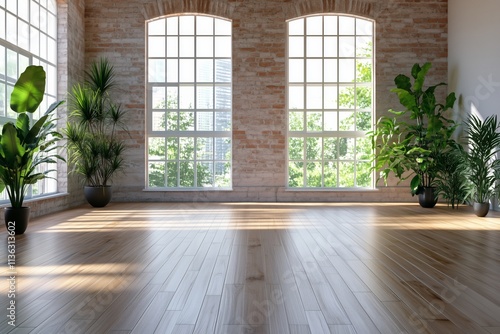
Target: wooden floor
{"points": [[256, 268]]}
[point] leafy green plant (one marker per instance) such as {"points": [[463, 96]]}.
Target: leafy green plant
{"points": [[94, 146], [410, 142], [27, 144], [452, 183], [482, 166]]}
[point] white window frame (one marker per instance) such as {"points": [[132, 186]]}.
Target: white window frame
{"points": [[218, 136], [325, 134]]}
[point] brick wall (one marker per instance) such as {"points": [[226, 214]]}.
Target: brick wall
{"points": [[407, 31]]}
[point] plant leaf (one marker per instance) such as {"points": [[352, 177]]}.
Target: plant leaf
{"points": [[28, 90]]}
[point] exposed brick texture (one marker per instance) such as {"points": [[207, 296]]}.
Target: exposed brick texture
{"points": [[407, 31]]}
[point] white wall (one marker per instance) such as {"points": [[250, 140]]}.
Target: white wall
{"points": [[474, 55]]}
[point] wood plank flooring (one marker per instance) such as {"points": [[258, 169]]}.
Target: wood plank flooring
{"points": [[255, 268]]}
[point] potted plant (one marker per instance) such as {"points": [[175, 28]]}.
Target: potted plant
{"points": [[411, 142], [481, 163], [25, 145], [93, 140], [451, 183]]}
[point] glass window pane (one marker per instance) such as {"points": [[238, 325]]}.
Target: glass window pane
{"points": [[204, 148], [204, 97], [363, 174], [346, 174], [223, 70], [204, 121], [223, 97], [186, 148], [363, 98], [295, 174], [347, 70], [172, 70], [34, 41], [172, 46], [223, 47], [158, 121], [156, 148], [331, 148], [2, 26], [186, 174], [296, 46], [172, 120], [296, 148], [363, 121], [330, 174], [296, 70], [222, 121], [172, 148], [186, 70], [364, 46], [222, 174], [23, 9], [173, 25], [186, 121], [346, 121], [156, 27], [23, 35], [172, 174], [331, 121], [296, 27], [186, 97], [364, 70], [296, 121], [204, 174], [314, 148], [156, 46], [314, 46], [158, 101], [204, 25], [222, 27], [204, 70], [346, 47], [314, 174], [363, 149], [186, 25], [314, 121], [314, 97], [330, 97], [314, 25], [172, 98], [223, 149], [314, 70], [156, 174], [331, 46], [186, 46], [364, 27], [330, 70], [204, 46], [156, 70], [11, 29], [346, 25], [346, 97], [296, 97], [346, 148], [330, 25]]}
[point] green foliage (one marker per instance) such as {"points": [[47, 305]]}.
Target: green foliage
{"points": [[410, 143], [94, 146], [23, 146], [482, 166], [451, 183]]}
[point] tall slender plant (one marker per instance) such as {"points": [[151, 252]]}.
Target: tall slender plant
{"points": [[94, 144], [483, 167]]}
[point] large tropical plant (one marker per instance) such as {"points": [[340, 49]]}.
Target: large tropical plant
{"points": [[94, 144], [28, 143], [482, 165], [409, 143]]}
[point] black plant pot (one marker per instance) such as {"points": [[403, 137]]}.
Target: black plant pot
{"points": [[427, 198], [16, 219], [98, 197], [481, 209]]}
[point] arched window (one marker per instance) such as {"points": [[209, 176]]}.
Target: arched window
{"points": [[189, 102], [28, 36], [330, 101]]}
